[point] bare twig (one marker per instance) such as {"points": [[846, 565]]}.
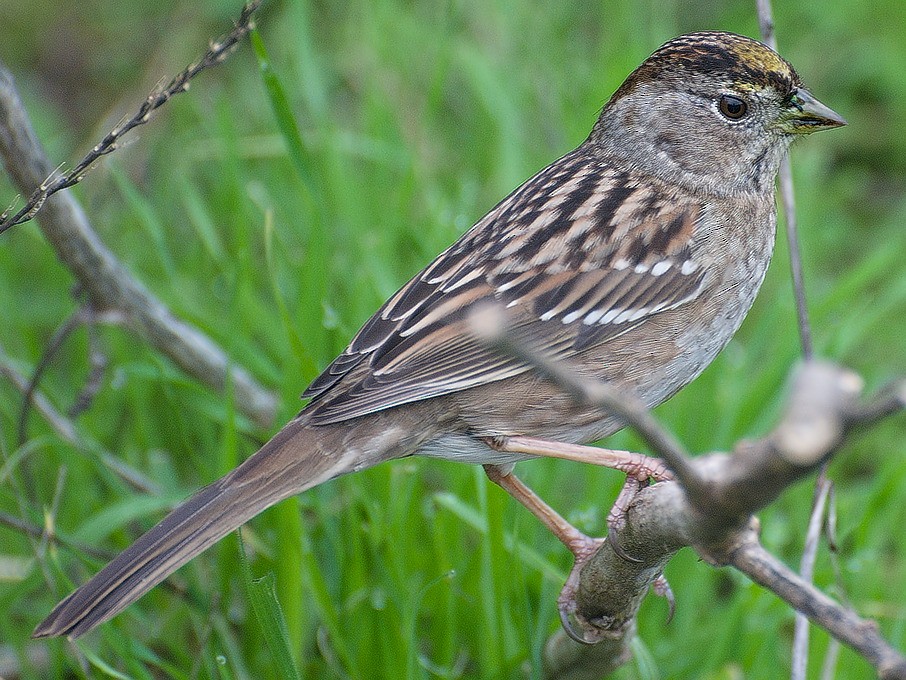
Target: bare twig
{"points": [[807, 571], [813, 427], [66, 430], [490, 324], [102, 276], [766, 23], [862, 635], [717, 520], [55, 181], [58, 422], [98, 361], [787, 198], [84, 315], [891, 400], [76, 319], [829, 667], [36, 531]]}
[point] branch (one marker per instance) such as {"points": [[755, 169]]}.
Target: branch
{"points": [[788, 199], [54, 181], [715, 515], [821, 414], [100, 273], [862, 635]]}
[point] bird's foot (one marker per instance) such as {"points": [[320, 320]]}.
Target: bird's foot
{"points": [[574, 624], [616, 518]]}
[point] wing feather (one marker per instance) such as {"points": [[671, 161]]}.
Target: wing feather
{"points": [[579, 254]]}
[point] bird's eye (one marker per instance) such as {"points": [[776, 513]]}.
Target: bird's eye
{"points": [[733, 108]]}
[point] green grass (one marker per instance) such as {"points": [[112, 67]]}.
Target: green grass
{"points": [[277, 207]]}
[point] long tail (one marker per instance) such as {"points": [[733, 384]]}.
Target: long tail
{"points": [[297, 458]]}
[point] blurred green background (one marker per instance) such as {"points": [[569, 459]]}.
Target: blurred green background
{"points": [[415, 118]]}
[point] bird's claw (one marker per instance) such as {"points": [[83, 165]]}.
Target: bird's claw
{"points": [[662, 589], [616, 519], [613, 537], [574, 624]]}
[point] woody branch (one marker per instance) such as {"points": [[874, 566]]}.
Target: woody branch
{"points": [[710, 507], [109, 285]]}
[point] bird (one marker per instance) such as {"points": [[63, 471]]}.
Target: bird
{"points": [[633, 260]]}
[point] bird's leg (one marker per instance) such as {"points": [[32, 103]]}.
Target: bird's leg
{"points": [[581, 546], [578, 543], [636, 465], [639, 470]]}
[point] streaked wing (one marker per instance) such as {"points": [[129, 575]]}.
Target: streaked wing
{"points": [[578, 254]]}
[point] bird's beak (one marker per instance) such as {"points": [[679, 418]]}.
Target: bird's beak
{"points": [[804, 114]]}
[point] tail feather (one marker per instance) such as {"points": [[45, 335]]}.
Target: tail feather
{"points": [[285, 466]]}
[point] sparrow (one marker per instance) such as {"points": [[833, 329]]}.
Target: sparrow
{"points": [[633, 259]]}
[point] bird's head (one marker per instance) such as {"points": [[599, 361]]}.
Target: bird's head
{"points": [[715, 111]]}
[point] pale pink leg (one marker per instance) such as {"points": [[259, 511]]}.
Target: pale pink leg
{"points": [[577, 542], [581, 546], [635, 465], [639, 469]]}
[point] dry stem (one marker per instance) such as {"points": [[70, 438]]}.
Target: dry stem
{"points": [[109, 286], [715, 516]]}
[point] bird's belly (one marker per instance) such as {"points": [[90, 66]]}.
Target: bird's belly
{"points": [[467, 448]]}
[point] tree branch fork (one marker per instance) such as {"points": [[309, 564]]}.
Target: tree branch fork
{"points": [[710, 507]]}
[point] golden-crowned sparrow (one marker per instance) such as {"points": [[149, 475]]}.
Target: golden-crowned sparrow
{"points": [[634, 258]]}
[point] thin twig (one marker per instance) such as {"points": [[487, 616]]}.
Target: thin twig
{"points": [[792, 237], [98, 362], [36, 531], [59, 423], [807, 571], [490, 324], [754, 561], [66, 430], [216, 54], [828, 668], [76, 319], [109, 286], [890, 400], [787, 197]]}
